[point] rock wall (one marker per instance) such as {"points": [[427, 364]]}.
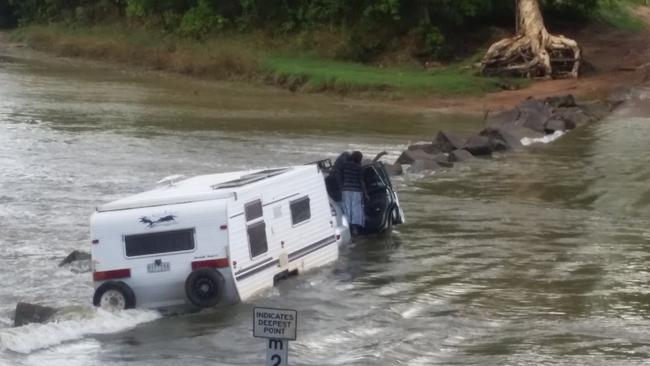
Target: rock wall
{"points": [[504, 131]]}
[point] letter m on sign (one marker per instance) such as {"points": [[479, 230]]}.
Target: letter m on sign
{"points": [[276, 344]]}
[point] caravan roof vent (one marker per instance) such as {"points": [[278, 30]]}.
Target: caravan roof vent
{"points": [[250, 178]]}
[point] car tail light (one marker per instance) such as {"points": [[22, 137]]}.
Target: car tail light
{"points": [[96, 241], [112, 275], [210, 263], [338, 236]]}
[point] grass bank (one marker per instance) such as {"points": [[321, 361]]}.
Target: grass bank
{"points": [[253, 57], [316, 74], [217, 59]]}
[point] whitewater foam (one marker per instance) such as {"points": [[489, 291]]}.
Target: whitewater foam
{"points": [[527, 141], [5, 322], [32, 337]]}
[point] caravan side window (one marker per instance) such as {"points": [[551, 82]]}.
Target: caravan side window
{"points": [[253, 210], [257, 239], [300, 210], [256, 228], [159, 243]]}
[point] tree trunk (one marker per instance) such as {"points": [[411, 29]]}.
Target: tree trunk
{"points": [[533, 52]]}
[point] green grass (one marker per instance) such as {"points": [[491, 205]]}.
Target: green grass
{"points": [[316, 74], [619, 14], [255, 57]]}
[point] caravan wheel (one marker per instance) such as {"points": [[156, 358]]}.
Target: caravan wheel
{"points": [[204, 287], [114, 296]]}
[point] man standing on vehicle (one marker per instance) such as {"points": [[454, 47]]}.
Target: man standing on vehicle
{"points": [[353, 192]]}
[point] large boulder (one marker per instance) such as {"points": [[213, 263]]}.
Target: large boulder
{"points": [[448, 142], [575, 115], [479, 145], [409, 156], [597, 110], [427, 147], [443, 160], [533, 114], [504, 118], [394, 169], [561, 101], [555, 124], [32, 313], [75, 256], [510, 135], [460, 155]]}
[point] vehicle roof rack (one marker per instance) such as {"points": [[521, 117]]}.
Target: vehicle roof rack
{"points": [[324, 164]]}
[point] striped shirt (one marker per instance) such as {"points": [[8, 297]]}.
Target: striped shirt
{"points": [[351, 177]]}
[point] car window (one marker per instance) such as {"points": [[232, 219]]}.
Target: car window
{"points": [[373, 180], [384, 175]]}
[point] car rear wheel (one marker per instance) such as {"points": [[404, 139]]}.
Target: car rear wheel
{"points": [[204, 287], [114, 296]]}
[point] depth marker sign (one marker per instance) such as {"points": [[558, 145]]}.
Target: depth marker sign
{"points": [[275, 323], [279, 327]]}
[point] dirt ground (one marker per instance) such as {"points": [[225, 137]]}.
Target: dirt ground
{"points": [[620, 59]]}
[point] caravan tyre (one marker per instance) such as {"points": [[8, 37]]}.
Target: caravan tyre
{"points": [[204, 287], [114, 296]]}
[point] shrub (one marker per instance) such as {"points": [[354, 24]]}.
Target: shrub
{"points": [[431, 42], [200, 20]]}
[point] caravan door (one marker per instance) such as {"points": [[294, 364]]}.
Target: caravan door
{"points": [[253, 267]]}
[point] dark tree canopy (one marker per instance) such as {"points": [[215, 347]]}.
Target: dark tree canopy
{"points": [[371, 24]]}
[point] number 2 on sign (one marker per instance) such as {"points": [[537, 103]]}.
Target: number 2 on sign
{"points": [[277, 352], [277, 360]]}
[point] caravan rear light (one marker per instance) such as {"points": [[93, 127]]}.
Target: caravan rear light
{"points": [[112, 275], [96, 241], [210, 263], [223, 227]]}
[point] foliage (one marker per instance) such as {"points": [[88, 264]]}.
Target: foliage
{"points": [[571, 9], [7, 16], [618, 14], [372, 26], [200, 20]]}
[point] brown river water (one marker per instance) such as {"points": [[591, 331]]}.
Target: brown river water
{"points": [[538, 257]]}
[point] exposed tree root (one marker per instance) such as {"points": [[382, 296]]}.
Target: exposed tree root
{"points": [[533, 52]]}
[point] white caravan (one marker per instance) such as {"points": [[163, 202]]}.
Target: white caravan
{"points": [[213, 238]]}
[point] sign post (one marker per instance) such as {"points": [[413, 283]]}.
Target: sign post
{"points": [[277, 352], [278, 326]]}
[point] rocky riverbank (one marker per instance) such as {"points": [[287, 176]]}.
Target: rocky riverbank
{"points": [[530, 121]]}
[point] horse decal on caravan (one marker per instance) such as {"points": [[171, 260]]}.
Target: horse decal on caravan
{"points": [[152, 222]]}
